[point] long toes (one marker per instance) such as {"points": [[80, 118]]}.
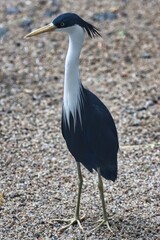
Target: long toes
{"points": [[102, 223], [73, 221], [65, 227], [79, 224]]}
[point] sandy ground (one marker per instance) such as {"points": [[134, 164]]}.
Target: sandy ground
{"points": [[38, 178]]}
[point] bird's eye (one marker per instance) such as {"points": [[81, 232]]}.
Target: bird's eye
{"points": [[62, 24]]}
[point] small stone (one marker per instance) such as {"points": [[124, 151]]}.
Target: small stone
{"points": [[150, 103], [3, 31], [42, 2], [12, 10], [54, 238], [146, 55], [124, 14], [53, 10], [135, 122], [2, 200], [124, 74], [127, 59], [100, 17], [56, 3], [26, 23], [49, 13], [18, 44]]}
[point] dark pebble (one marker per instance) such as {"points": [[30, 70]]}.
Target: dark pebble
{"points": [[100, 17], [36, 97], [42, 2], [150, 103], [54, 238], [124, 14], [135, 122], [9, 111], [130, 110], [139, 16], [141, 109], [15, 195], [37, 235], [12, 10], [18, 44], [49, 13], [3, 31], [26, 23], [46, 95], [145, 55], [127, 59]]}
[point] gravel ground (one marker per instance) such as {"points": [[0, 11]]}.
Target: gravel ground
{"points": [[38, 175]]}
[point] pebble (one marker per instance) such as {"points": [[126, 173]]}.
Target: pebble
{"points": [[127, 59], [25, 23], [150, 103], [49, 13], [12, 10], [135, 122], [56, 3], [146, 55], [42, 2], [53, 10], [100, 17], [3, 31]]}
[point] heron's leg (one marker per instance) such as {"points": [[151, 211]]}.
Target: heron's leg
{"points": [[105, 214], [76, 218], [101, 191], [80, 182]]}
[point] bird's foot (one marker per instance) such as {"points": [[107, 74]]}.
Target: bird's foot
{"points": [[71, 221], [101, 223]]}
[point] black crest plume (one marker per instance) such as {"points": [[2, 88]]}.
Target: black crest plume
{"points": [[91, 30]]}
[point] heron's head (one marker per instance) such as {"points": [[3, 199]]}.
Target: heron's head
{"points": [[65, 22]]}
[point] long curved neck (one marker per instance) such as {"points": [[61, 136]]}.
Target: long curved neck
{"points": [[72, 84]]}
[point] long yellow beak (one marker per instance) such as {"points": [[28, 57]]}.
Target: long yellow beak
{"points": [[48, 28]]}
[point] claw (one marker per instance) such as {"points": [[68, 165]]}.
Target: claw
{"points": [[102, 222], [71, 222]]}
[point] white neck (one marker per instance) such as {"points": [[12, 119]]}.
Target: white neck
{"points": [[72, 84]]}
